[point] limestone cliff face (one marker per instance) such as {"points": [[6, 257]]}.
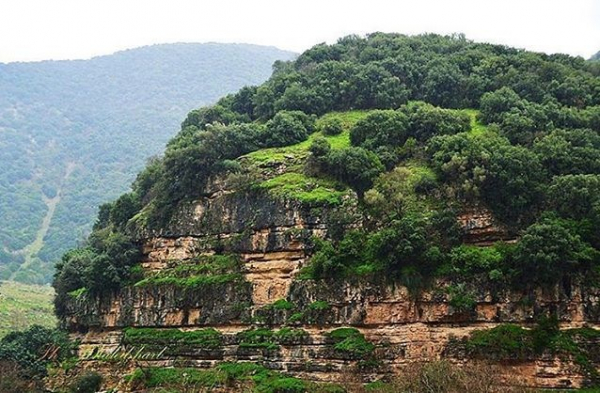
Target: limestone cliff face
{"points": [[272, 237]]}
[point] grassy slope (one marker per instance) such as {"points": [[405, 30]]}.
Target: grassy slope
{"points": [[295, 184], [23, 305]]}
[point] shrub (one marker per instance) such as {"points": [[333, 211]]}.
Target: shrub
{"points": [[380, 128], [352, 342], [331, 126], [287, 128], [354, 166]]}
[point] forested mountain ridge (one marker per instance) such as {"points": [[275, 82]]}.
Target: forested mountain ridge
{"points": [[596, 56], [74, 133], [377, 203]]}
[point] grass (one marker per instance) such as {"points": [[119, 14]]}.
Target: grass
{"points": [[300, 150], [23, 305], [294, 184], [202, 271], [477, 128], [205, 338], [308, 190], [352, 342], [241, 376]]}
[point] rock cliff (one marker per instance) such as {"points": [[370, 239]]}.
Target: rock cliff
{"points": [[262, 310]]}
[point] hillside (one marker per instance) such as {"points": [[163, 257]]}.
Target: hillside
{"points": [[378, 203], [596, 56], [23, 305], [73, 134]]}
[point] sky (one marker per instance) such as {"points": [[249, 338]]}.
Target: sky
{"points": [[32, 30]]}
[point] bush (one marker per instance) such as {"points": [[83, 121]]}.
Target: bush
{"points": [[426, 121], [287, 128], [380, 128], [28, 350], [354, 166], [331, 126], [548, 251]]}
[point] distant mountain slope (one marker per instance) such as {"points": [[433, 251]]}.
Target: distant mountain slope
{"points": [[596, 56], [73, 134]]}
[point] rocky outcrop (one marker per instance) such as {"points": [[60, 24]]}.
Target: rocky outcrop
{"points": [[272, 239]]}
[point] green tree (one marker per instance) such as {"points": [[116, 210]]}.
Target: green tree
{"points": [[380, 128], [355, 166]]}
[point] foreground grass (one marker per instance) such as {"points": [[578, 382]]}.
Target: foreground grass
{"points": [[23, 305]]}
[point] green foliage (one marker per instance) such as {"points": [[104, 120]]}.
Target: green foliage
{"points": [[548, 251], [287, 128], [208, 338], [350, 341], [103, 266], [426, 121], [29, 349], [408, 248], [467, 260], [461, 299], [514, 342], [502, 342], [406, 189], [564, 152], [282, 304], [486, 167], [203, 271], [319, 305], [320, 147], [354, 166], [380, 128], [331, 126]]}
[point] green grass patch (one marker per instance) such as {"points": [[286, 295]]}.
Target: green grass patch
{"points": [[205, 270], [308, 190], [352, 342], [300, 150], [477, 128], [225, 375], [24, 305], [269, 339], [257, 338], [206, 338]]}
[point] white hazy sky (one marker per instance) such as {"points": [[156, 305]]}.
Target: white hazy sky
{"points": [[74, 29]]}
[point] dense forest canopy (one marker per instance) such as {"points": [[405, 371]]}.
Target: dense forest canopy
{"points": [[433, 125], [73, 134]]}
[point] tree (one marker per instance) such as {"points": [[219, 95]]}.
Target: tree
{"points": [[494, 104], [286, 128], [380, 128], [547, 251], [355, 166], [426, 121]]}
